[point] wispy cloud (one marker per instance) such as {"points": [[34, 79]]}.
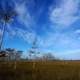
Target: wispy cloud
{"points": [[77, 31], [70, 54], [24, 18], [26, 35], [24, 15], [0, 33], [66, 13], [63, 42], [59, 42]]}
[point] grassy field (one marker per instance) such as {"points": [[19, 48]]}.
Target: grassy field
{"points": [[46, 70]]}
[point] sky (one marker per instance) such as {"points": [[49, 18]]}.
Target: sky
{"points": [[55, 24]]}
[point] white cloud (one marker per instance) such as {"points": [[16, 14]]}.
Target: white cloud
{"points": [[0, 32], [26, 35], [61, 45], [77, 31], [11, 31], [59, 41], [24, 16], [71, 54], [65, 14]]}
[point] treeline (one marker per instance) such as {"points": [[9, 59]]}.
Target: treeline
{"points": [[10, 54]]}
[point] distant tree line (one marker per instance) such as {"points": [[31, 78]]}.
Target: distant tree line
{"points": [[10, 54]]}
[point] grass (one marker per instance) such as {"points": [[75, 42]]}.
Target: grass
{"points": [[44, 70]]}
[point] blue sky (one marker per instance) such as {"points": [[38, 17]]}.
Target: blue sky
{"points": [[55, 24]]}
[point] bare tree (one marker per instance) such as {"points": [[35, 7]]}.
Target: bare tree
{"points": [[3, 55], [48, 56], [34, 49], [33, 53], [11, 53], [14, 55], [18, 55]]}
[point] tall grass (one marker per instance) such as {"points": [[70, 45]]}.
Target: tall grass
{"points": [[44, 70]]}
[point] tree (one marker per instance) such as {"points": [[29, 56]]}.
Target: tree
{"points": [[3, 55], [48, 56], [14, 54], [34, 50], [11, 53], [18, 55], [7, 13]]}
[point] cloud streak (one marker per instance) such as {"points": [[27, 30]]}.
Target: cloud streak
{"points": [[24, 18], [23, 15], [66, 13]]}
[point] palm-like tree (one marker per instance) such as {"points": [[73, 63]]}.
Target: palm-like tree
{"points": [[11, 53], [8, 12], [33, 50], [5, 17]]}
